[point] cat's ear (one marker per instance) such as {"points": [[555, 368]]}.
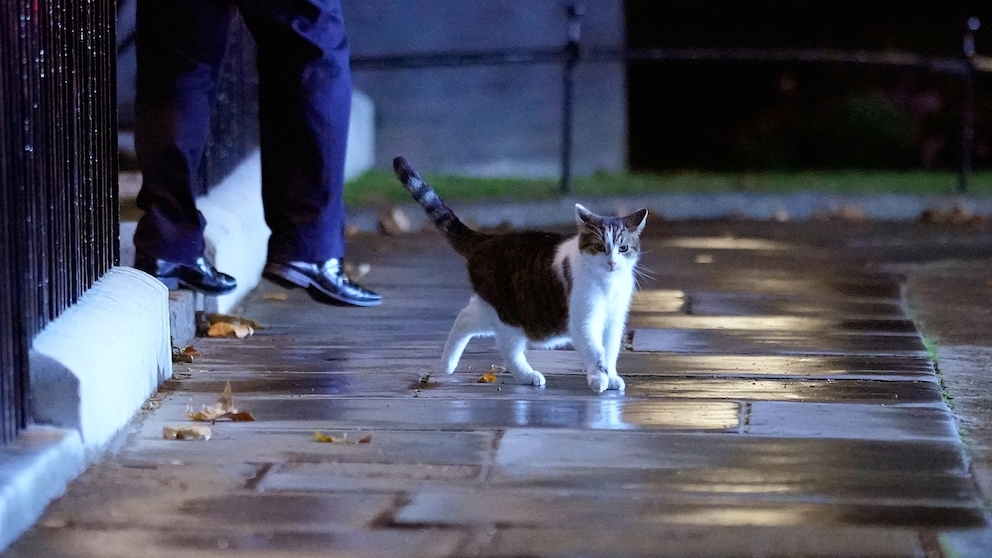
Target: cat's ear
{"points": [[584, 217], [636, 220]]}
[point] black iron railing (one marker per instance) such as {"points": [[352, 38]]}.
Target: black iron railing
{"points": [[234, 116], [573, 52], [58, 173]]}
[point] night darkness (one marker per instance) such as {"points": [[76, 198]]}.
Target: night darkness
{"points": [[783, 116]]}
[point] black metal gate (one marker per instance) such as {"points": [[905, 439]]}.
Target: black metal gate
{"points": [[58, 173]]}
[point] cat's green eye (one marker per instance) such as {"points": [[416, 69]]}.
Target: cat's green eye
{"points": [[624, 248], [599, 247]]}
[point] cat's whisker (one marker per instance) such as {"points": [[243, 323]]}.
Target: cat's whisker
{"points": [[643, 272]]}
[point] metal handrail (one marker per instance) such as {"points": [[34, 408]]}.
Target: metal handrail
{"points": [[573, 52]]}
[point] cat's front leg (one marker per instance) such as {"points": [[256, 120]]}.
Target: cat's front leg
{"points": [[601, 372], [616, 382], [612, 339], [598, 378]]}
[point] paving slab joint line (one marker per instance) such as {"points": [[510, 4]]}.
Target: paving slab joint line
{"points": [[387, 519], [490, 462]]}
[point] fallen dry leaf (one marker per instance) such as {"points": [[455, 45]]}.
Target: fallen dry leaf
{"points": [[226, 325], [356, 271], [840, 213], [228, 318], [487, 378], [224, 329], [957, 216], [275, 296], [184, 355], [341, 438], [222, 409], [194, 432], [330, 438], [393, 221]]}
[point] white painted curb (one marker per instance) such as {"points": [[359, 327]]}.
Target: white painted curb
{"points": [[94, 366]]}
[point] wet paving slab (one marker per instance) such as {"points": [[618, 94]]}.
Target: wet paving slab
{"points": [[779, 402], [337, 362], [710, 303], [784, 388], [777, 323], [747, 342]]}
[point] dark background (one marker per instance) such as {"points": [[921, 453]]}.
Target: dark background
{"points": [[784, 116]]}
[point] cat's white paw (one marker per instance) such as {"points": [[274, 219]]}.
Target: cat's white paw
{"points": [[537, 379], [528, 377], [617, 383], [599, 380]]}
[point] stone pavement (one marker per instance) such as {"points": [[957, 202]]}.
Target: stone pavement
{"points": [[779, 402]]}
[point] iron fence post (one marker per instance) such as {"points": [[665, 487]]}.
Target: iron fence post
{"points": [[968, 115], [572, 53]]}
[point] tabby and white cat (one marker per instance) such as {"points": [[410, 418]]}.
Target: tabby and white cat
{"points": [[542, 288]]}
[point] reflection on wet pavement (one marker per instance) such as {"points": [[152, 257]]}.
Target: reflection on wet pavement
{"points": [[779, 385], [748, 342], [726, 243], [762, 391]]}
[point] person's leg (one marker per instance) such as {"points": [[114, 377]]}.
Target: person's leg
{"points": [[304, 111], [180, 44], [305, 105]]}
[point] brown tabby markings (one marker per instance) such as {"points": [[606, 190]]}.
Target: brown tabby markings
{"points": [[526, 284], [514, 273]]}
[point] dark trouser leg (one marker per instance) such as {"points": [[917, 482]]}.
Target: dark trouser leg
{"points": [[180, 44], [305, 105]]}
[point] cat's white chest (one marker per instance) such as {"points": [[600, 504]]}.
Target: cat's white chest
{"points": [[603, 296]]}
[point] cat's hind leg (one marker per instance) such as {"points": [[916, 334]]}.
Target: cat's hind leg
{"points": [[512, 343], [475, 320]]}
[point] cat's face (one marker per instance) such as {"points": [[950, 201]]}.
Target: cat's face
{"points": [[612, 243]]}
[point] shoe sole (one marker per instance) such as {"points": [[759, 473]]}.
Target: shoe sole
{"points": [[290, 277], [173, 283], [182, 283], [286, 275]]}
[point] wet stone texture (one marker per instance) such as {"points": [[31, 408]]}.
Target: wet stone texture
{"points": [[779, 402]]}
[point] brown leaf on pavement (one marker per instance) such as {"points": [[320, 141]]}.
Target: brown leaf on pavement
{"points": [[226, 325], [356, 271], [225, 329], [228, 318], [393, 221], [330, 438], [339, 438], [195, 432], [222, 409]]}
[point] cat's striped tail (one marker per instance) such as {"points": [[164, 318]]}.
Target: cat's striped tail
{"points": [[459, 235]]}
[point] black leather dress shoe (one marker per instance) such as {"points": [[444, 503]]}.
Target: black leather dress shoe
{"points": [[199, 276], [327, 279]]}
